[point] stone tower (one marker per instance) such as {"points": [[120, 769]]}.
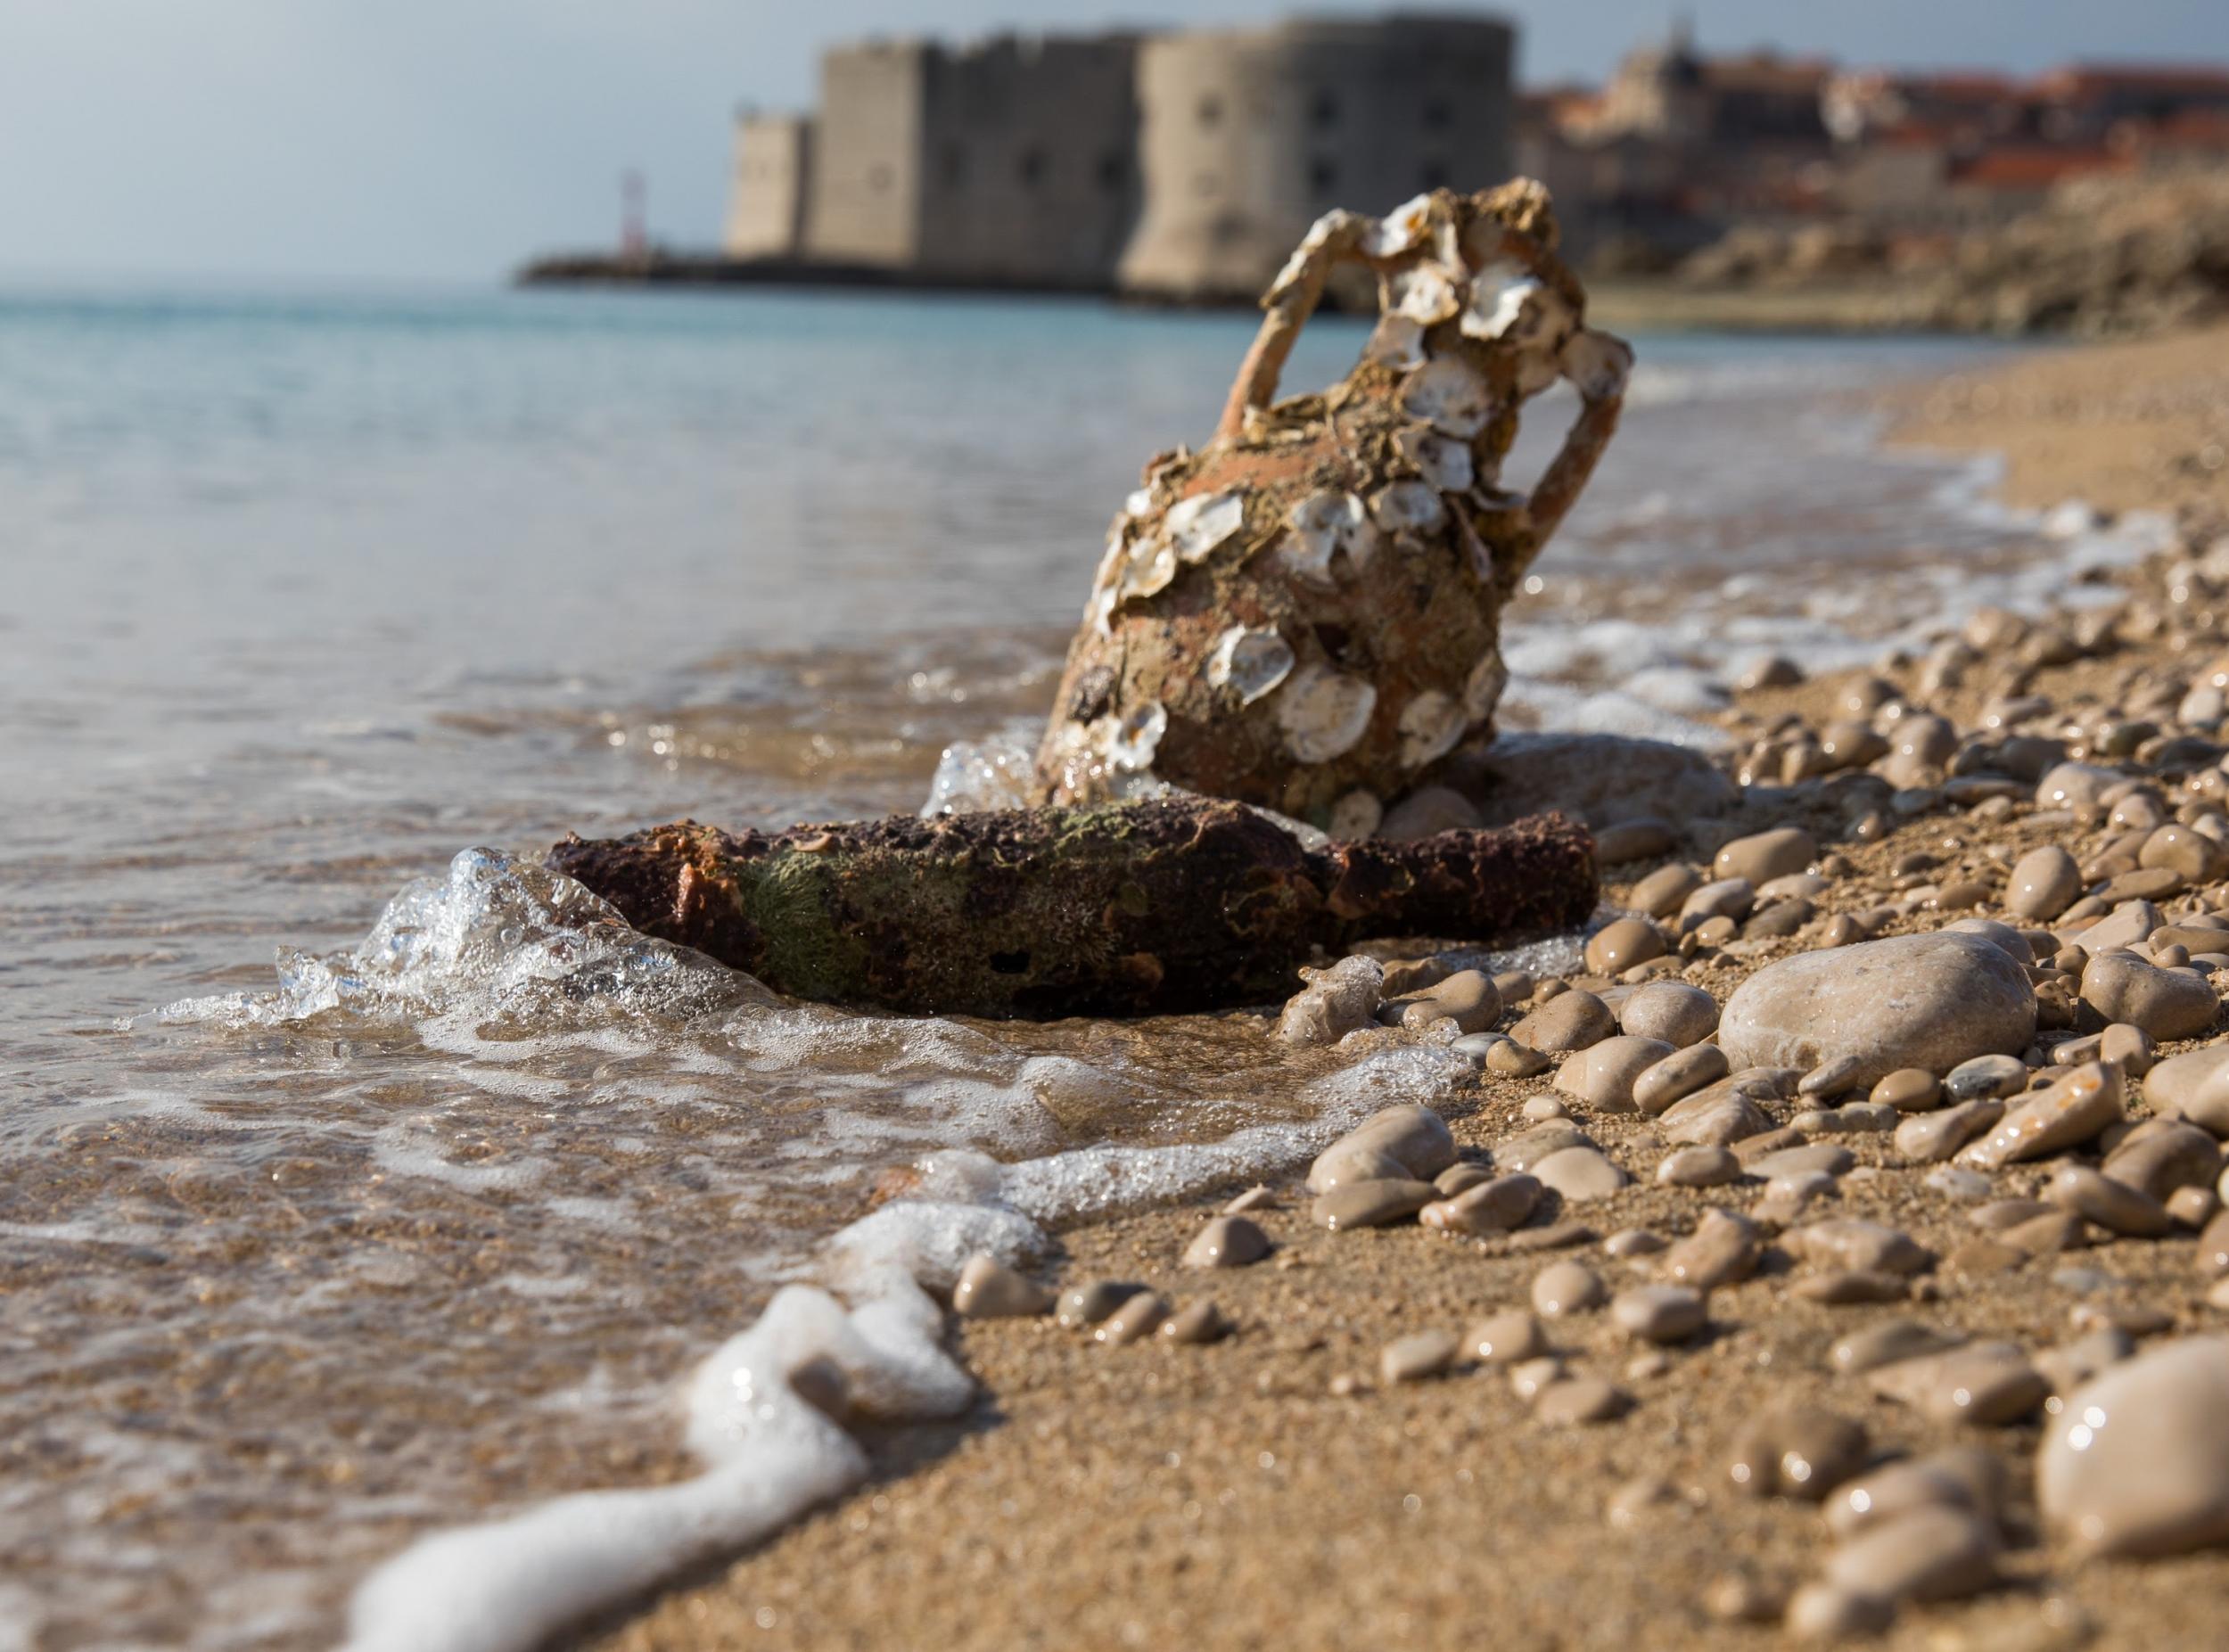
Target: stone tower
{"points": [[1247, 136]]}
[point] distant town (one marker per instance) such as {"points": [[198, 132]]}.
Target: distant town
{"points": [[1185, 165]]}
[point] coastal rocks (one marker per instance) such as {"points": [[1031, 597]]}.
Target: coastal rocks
{"points": [[1679, 1015], [1566, 1288], [1569, 1021], [988, 1289], [1622, 943], [2137, 1462], [1195, 1327], [1412, 1137], [1659, 1313], [2167, 1004], [1579, 1400], [1796, 1449], [1084, 1305], [1678, 1075], [1860, 1246], [2167, 1158], [2044, 884], [1722, 1250], [1986, 1077], [1765, 856], [1723, 1113], [1889, 1342], [1138, 1318], [1227, 1242], [1508, 1338], [1930, 1138], [1967, 1478], [1665, 891], [2194, 1086], [1825, 1614], [1371, 1203], [1580, 1175], [1468, 997], [1930, 1553], [1927, 1000], [2111, 1205], [1603, 1074], [1989, 1384], [1493, 1206], [1417, 1357], [2073, 1111], [1335, 1002], [1698, 1167], [1909, 1089]]}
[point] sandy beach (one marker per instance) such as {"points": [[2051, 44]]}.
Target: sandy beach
{"points": [[1275, 1490], [2133, 426]]}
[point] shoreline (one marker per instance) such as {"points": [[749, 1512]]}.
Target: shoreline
{"points": [[1859, 308], [1270, 1490]]}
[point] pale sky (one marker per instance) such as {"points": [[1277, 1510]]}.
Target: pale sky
{"points": [[444, 140]]}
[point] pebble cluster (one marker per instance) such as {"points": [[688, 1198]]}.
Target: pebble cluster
{"points": [[1926, 1011]]}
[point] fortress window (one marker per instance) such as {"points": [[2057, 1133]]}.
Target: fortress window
{"points": [[1325, 110], [1322, 175], [1211, 110], [1032, 166]]}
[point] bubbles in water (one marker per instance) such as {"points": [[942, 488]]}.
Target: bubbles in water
{"points": [[499, 940], [978, 775]]}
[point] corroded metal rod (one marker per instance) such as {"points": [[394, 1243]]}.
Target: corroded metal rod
{"points": [[1155, 907]]}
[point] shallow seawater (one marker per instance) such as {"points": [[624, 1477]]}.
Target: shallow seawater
{"points": [[349, 1185]]}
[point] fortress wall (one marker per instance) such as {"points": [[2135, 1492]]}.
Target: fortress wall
{"points": [[1246, 137], [1029, 171], [772, 182], [865, 202]]}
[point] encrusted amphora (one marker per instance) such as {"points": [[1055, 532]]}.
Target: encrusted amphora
{"points": [[1305, 613]]}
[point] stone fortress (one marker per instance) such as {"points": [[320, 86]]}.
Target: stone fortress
{"points": [[1184, 164]]}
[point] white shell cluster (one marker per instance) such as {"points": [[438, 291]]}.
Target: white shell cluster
{"points": [[1326, 524], [1356, 815], [1252, 660], [1507, 301], [1444, 463], [1199, 526], [1424, 293], [1397, 342], [1400, 231], [1596, 364], [1451, 395], [1142, 562], [1324, 711], [1483, 692], [1137, 736], [1408, 507], [1430, 725]]}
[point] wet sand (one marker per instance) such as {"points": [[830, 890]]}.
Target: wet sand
{"points": [[1273, 1490], [2135, 426]]}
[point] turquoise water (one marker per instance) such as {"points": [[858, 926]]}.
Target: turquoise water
{"points": [[305, 593]]}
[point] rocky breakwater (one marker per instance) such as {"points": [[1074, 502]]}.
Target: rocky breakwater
{"points": [[1873, 1148], [2101, 256]]}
